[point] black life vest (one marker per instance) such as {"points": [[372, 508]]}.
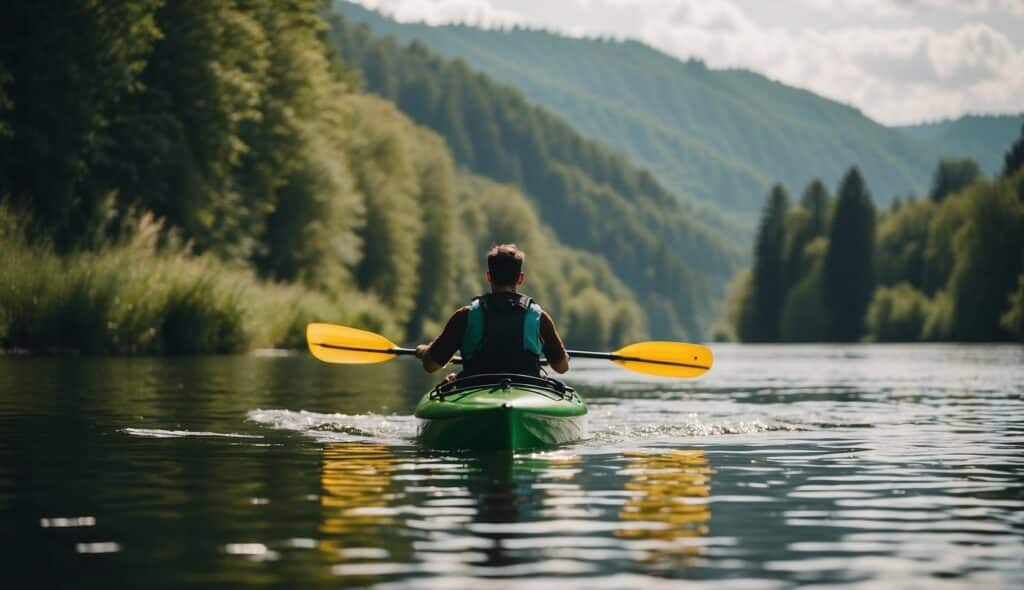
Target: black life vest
{"points": [[502, 335]]}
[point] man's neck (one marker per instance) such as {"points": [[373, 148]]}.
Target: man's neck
{"points": [[503, 289]]}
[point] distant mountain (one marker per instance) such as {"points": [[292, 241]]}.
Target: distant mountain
{"points": [[595, 199], [982, 137], [722, 136]]}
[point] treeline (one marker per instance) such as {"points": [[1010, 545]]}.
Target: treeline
{"points": [[205, 176], [949, 267], [593, 197]]}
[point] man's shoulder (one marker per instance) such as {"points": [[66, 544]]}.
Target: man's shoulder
{"points": [[546, 318], [460, 315]]}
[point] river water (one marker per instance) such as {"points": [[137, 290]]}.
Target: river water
{"points": [[842, 466]]}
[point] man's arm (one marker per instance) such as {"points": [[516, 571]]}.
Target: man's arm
{"points": [[437, 354], [554, 350]]}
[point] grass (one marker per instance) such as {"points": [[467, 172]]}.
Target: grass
{"points": [[134, 297]]}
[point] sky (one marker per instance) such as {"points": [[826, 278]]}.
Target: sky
{"points": [[898, 61]]}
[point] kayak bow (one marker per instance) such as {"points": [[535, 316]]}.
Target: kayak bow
{"points": [[502, 411]]}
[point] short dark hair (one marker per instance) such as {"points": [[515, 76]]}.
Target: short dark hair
{"points": [[505, 263]]}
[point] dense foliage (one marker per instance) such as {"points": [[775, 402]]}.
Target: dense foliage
{"points": [[953, 175], [720, 136], [935, 269], [768, 286], [203, 176], [594, 198]]}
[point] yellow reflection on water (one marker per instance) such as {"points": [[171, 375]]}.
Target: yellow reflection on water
{"points": [[356, 491], [668, 504], [562, 467], [563, 496]]}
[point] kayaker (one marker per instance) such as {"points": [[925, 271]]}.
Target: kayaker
{"points": [[503, 331]]}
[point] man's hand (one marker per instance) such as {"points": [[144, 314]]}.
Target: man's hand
{"points": [[562, 365], [423, 353]]}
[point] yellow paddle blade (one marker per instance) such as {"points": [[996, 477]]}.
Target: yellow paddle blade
{"points": [[340, 344], [667, 359]]}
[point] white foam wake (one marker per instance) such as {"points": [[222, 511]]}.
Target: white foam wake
{"points": [[391, 428]]}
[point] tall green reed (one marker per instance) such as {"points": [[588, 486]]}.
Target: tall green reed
{"points": [[133, 296]]}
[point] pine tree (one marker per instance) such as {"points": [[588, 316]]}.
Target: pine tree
{"points": [[1014, 156], [952, 175], [816, 201], [769, 280], [849, 272]]}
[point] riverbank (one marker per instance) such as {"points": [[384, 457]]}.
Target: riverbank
{"points": [[135, 296]]}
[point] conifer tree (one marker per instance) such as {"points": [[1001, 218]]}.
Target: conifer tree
{"points": [[952, 175], [849, 271], [816, 201], [769, 280], [1014, 156]]}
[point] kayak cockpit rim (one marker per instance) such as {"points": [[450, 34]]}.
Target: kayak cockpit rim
{"points": [[545, 386]]}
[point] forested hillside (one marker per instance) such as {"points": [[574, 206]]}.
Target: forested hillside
{"points": [[594, 198], [199, 177], [722, 136], [982, 137]]}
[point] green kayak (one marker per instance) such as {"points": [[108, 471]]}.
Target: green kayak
{"points": [[502, 411]]}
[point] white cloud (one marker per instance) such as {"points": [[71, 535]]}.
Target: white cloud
{"points": [[973, 7], [870, 8], [881, 9], [894, 75], [906, 75]]}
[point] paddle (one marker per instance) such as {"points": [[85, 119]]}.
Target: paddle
{"points": [[340, 344]]}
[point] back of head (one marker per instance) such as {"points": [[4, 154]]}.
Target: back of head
{"points": [[505, 263]]}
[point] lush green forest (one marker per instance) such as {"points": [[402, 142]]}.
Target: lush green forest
{"points": [[594, 198], [946, 267], [720, 136], [197, 177]]}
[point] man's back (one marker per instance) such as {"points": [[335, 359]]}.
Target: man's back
{"points": [[500, 332]]}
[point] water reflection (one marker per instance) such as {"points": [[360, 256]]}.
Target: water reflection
{"points": [[888, 467], [355, 500], [668, 505]]}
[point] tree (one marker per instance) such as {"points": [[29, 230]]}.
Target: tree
{"points": [[849, 272], [804, 316], [989, 250], [901, 244], [769, 275], [5, 104], [952, 175], [1014, 156], [1013, 320], [66, 68], [897, 314], [816, 201], [799, 232], [295, 174], [182, 141]]}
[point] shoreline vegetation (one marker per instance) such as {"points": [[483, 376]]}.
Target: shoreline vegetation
{"points": [[134, 296], [947, 267]]}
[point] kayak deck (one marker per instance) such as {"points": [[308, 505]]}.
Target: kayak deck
{"points": [[501, 411]]}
